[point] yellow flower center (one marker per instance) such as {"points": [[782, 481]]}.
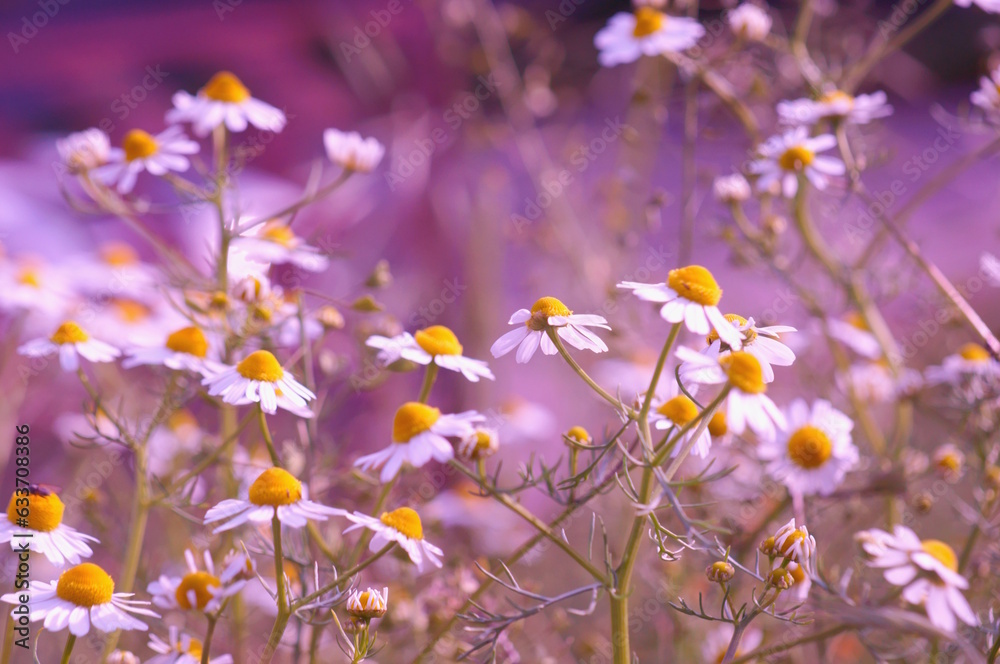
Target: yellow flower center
{"points": [[542, 309], [69, 333], [85, 585], [275, 487], [798, 573], [224, 86], [279, 233], [411, 419], [809, 447], [118, 254], [680, 410], [791, 540], [180, 419], [717, 425], [647, 21], [857, 321], [744, 372], [131, 311], [29, 276], [941, 552], [260, 365], [139, 145], [950, 461], [974, 353], [739, 321], [194, 648], [695, 283], [45, 510], [579, 434], [438, 340], [796, 158], [188, 340], [406, 521], [835, 96], [200, 583]]}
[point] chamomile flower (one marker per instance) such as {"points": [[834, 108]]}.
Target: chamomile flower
{"points": [[785, 157], [83, 597], [814, 451], [30, 284], [949, 462], [835, 104], [185, 349], [481, 443], [36, 519], [926, 569], [420, 433], [990, 266], [84, 150], [750, 21], [746, 403], [141, 151], [432, 345], [368, 604], [274, 494], [647, 31], [793, 544], [690, 295], [224, 101], [547, 314], [971, 360], [731, 189], [761, 342], [258, 378], [676, 410], [351, 151], [276, 243], [875, 382], [403, 527], [179, 648], [716, 643], [853, 331], [990, 6], [123, 657], [71, 343], [199, 590]]}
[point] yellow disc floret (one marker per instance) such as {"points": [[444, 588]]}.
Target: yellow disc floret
{"points": [[809, 447], [680, 410], [275, 487], [974, 353], [941, 552], [43, 512], [744, 372], [194, 648], [226, 87], [438, 340], [279, 233], [695, 283], [717, 425], [69, 333], [411, 419], [85, 585], [188, 340], [837, 96], [647, 21], [138, 144], [544, 308], [796, 158], [406, 521], [260, 365], [118, 254], [200, 583], [579, 434]]}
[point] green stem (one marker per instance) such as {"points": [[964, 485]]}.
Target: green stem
{"points": [[429, 376], [206, 645], [70, 642], [583, 374], [343, 578], [281, 621], [262, 418]]}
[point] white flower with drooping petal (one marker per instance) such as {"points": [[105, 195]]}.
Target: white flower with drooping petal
{"points": [[185, 349], [274, 243], [432, 345], [71, 343], [350, 150], [140, 151], [403, 527], [224, 101], [762, 342], [861, 109], [258, 378], [84, 150], [35, 518], [853, 332], [648, 31], [785, 157], [546, 314]]}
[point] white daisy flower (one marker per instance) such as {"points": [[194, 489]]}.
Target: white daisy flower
{"points": [[350, 150], [224, 101], [403, 527], [198, 589], [275, 493], [648, 31], [84, 150], [71, 343], [794, 544], [732, 188], [746, 403], [761, 342], [716, 642], [990, 266], [481, 443], [835, 104], [141, 151], [276, 243], [116, 271], [185, 349], [420, 433], [546, 314], [436, 344], [368, 604], [971, 360], [990, 6], [676, 410], [750, 21], [258, 378], [927, 570], [813, 453], [30, 284], [853, 332], [690, 295], [785, 157], [874, 381], [180, 648], [35, 517], [83, 597]]}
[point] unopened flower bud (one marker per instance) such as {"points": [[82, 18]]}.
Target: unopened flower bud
{"points": [[720, 572]]}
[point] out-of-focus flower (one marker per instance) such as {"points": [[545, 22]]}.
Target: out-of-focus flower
{"points": [[690, 295], [33, 285], [224, 101], [949, 462], [717, 640], [648, 31], [746, 403], [276, 243], [420, 433], [546, 314], [480, 444], [792, 544], [436, 344], [814, 451], [761, 342], [199, 590], [787, 156], [861, 109], [750, 21], [853, 332], [70, 342], [275, 493], [141, 151], [258, 378], [991, 6], [675, 412], [84, 150], [731, 189], [990, 265], [83, 597], [927, 570], [37, 515], [350, 150], [185, 349], [403, 527], [970, 360], [179, 648], [123, 657], [368, 604]]}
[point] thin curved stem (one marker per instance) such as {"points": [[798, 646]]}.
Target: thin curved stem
{"points": [[583, 374]]}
